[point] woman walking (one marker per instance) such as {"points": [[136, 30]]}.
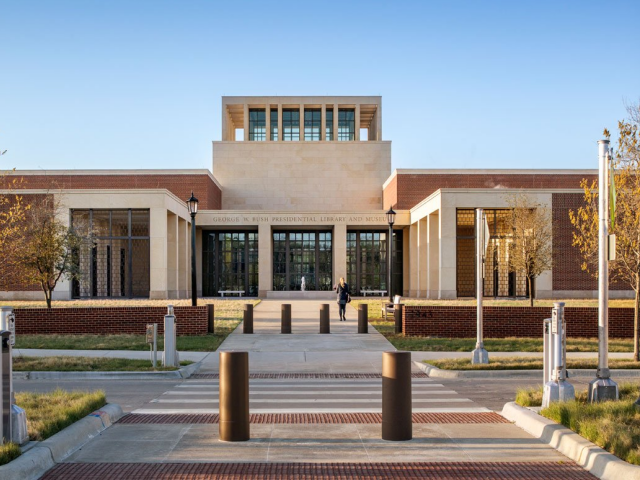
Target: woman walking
{"points": [[342, 289]]}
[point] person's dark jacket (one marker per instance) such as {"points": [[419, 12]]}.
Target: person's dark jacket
{"points": [[343, 292]]}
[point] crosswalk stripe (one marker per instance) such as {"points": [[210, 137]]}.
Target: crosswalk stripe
{"points": [[300, 392], [330, 400]]}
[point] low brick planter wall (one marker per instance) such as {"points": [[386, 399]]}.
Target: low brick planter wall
{"points": [[502, 322], [107, 320]]}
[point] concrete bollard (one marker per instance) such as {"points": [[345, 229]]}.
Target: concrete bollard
{"points": [[210, 325], [247, 325], [234, 423], [324, 318], [397, 316], [396, 396], [363, 318], [285, 318]]}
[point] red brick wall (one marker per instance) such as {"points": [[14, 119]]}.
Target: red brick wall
{"points": [[203, 187], [408, 190], [567, 270], [502, 322], [107, 320]]}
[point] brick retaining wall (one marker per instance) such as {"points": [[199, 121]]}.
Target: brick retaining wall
{"points": [[502, 322], [107, 320]]}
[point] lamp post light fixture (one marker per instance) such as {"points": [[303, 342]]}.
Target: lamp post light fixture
{"points": [[192, 204], [391, 218]]}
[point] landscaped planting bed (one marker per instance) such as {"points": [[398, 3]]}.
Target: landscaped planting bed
{"points": [[614, 425], [525, 363], [48, 413], [85, 364]]}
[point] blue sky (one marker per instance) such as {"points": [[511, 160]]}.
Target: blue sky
{"points": [[137, 84]]}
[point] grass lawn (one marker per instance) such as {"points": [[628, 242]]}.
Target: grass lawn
{"points": [[85, 364], [525, 363], [375, 303], [227, 316], [614, 426], [223, 307], [48, 413], [430, 344]]}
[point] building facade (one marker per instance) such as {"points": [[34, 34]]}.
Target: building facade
{"points": [[298, 189]]}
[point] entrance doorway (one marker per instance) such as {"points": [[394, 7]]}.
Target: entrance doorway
{"points": [[298, 254]]}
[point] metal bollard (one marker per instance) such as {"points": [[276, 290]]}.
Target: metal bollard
{"points": [[210, 316], [363, 318], [234, 423], [397, 316], [324, 318], [247, 324], [6, 384], [170, 357], [397, 424], [558, 389], [285, 318], [8, 322], [547, 351]]}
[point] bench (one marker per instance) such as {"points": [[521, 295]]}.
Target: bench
{"points": [[364, 293], [390, 308], [222, 292]]}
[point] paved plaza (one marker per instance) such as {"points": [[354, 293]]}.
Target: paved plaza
{"points": [[315, 401]]}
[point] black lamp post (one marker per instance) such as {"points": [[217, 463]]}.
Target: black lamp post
{"points": [[192, 204], [391, 218]]}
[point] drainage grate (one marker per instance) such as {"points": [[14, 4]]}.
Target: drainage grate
{"points": [[304, 375], [243, 471], [327, 418]]}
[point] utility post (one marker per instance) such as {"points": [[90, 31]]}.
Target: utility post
{"points": [[602, 387], [479, 354]]}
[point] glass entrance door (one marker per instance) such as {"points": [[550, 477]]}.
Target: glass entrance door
{"points": [[302, 254]]}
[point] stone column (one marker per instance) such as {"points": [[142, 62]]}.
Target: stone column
{"points": [[279, 122], [447, 255], [302, 123], [246, 122], [158, 253], [339, 252], [267, 120], [413, 264], [173, 250], [357, 118], [423, 264], [198, 260], [405, 262], [184, 262], [265, 259], [335, 122], [433, 254], [323, 123], [378, 121]]}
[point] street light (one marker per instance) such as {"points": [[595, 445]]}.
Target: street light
{"points": [[391, 218], [192, 204]]}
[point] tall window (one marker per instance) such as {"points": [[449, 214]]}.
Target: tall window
{"points": [[312, 122], [273, 124], [117, 264], [290, 125], [230, 262], [257, 125], [329, 125], [302, 254], [346, 124]]}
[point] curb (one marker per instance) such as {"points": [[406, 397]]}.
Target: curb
{"points": [[589, 456], [36, 461], [436, 372], [183, 372]]}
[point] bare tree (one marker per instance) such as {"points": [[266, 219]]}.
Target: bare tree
{"points": [[625, 219], [531, 251], [50, 248]]}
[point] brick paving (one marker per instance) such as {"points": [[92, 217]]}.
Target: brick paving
{"points": [[232, 471], [284, 376], [313, 418]]}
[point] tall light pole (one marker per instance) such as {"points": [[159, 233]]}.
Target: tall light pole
{"points": [[479, 354], [602, 387], [391, 218], [192, 204]]}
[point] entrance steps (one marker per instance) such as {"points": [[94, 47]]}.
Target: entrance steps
{"points": [[308, 295]]}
